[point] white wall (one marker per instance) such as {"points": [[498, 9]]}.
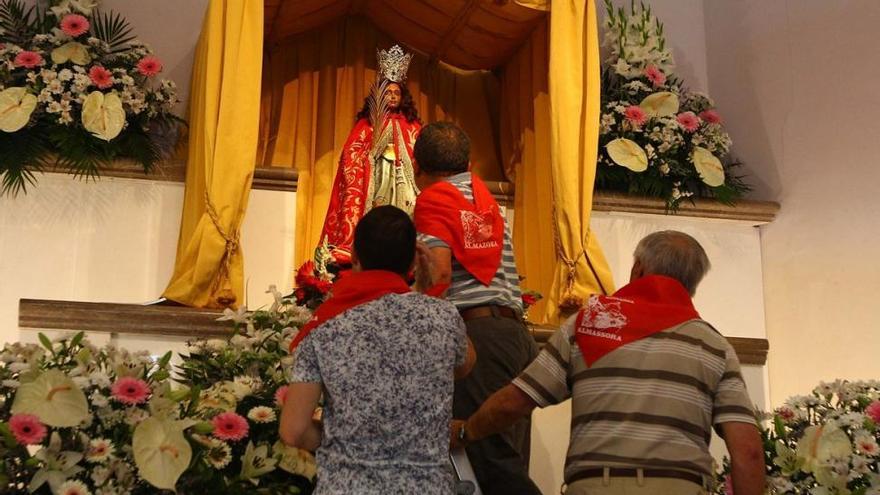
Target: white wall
{"points": [[797, 83], [115, 240]]}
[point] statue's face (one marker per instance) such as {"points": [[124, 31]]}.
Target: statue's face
{"points": [[392, 96]]}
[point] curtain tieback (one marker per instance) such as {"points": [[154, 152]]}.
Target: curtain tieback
{"points": [[225, 296]]}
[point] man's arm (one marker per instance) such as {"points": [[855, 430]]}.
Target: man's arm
{"points": [[504, 408], [297, 429], [469, 360], [746, 457], [441, 260]]}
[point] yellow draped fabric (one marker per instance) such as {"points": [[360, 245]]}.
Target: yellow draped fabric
{"points": [[549, 135], [574, 78], [316, 84], [223, 135]]}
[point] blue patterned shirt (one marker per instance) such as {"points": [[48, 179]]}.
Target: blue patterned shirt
{"points": [[387, 372]]}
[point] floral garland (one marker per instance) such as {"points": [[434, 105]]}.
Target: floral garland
{"points": [[656, 138], [76, 419], [79, 90], [825, 443]]}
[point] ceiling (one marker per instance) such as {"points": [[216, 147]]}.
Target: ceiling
{"points": [[469, 34]]}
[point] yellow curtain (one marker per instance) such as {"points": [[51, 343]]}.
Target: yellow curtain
{"points": [[223, 135], [317, 82], [574, 79], [550, 125]]}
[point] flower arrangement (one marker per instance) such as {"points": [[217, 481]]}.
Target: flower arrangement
{"points": [[657, 138], [78, 420], [314, 279], [529, 299], [77, 89], [825, 443]]}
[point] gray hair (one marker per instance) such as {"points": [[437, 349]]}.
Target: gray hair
{"points": [[673, 254]]}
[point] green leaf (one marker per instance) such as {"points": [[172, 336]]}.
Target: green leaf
{"points": [[47, 343], [8, 438], [113, 29], [77, 339], [778, 426], [164, 360]]}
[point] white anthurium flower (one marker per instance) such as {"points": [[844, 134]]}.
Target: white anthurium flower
{"points": [[256, 462], [627, 153], [161, 452], [102, 115], [821, 444], [54, 398], [16, 107], [71, 52], [709, 167], [660, 104]]}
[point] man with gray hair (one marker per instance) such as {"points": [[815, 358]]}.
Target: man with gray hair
{"points": [[648, 379]]}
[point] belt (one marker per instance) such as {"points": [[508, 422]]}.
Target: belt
{"points": [[633, 473], [487, 311]]}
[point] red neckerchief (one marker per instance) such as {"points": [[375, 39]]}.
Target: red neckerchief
{"points": [[353, 289], [474, 231], [649, 305]]}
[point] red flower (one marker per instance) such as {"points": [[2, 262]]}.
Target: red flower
{"points": [[230, 426], [300, 295], [102, 77], [149, 66], [28, 59], [27, 429], [710, 116], [305, 273], [281, 396], [74, 25], [131, 391], [529, 299], [636, 115]]}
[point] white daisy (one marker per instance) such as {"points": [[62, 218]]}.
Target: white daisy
{"points": [[73, 487], [218, 455], [261, 414], [100, 449]]}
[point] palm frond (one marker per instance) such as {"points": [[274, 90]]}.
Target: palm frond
{"points": [[80, 153], [378, 108], [113, 29], [23, 153], [18, 23]]}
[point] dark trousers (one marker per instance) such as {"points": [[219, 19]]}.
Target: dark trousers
{"points": [[504, 348]]}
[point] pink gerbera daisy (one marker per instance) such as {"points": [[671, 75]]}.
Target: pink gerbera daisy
{"points": [[655, 75], [786, 413], [102, 77], [149, 66], [28, 59], [873, 411], [636, 115], [710, 116], [27, 429], [229, 426], [688, 121], [74, 25], [131, 391]]}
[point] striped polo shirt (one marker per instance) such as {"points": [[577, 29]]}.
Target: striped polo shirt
{"points": [[465, 291], [648, 404]]}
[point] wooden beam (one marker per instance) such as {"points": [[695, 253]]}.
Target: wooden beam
{"points": [[178, 321]]}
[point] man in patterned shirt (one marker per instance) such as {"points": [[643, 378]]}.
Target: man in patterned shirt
{"points": [[385, 359], [648, 381], [461, 223]]}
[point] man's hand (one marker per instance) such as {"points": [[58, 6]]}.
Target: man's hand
{"points": [[454, 429]]}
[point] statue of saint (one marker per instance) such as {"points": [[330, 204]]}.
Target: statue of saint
{"points": [[376, 164]]}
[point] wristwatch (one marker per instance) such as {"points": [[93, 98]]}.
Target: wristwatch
{"points": [[462, 433]]}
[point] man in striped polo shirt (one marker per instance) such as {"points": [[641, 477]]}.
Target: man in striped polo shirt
{"points": [[461, 223], [648, 381]]}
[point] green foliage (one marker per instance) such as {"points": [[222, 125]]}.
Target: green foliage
{"points": [[113, 29]]}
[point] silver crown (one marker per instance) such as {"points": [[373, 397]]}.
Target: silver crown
{"points": [[393, 63]]}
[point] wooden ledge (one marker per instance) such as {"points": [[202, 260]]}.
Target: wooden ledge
{"points": [[173, 321], [178, 321], [271, 179], [750, 351]]}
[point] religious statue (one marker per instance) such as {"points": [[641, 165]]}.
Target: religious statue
{"points": [[376, 164]]}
